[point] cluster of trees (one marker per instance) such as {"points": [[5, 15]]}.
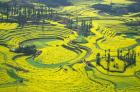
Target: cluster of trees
{"points": [[70, 24], [4, 10], [28, 50], [24, 13], [107, 57], [129, 57], [81, 26], [85, 28]]}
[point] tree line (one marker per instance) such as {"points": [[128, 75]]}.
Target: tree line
{"points": [[129, 56], [25, 13]]}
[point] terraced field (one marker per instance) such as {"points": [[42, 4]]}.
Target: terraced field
{"points": [[21, 68], [60, 64], [66, 61]]}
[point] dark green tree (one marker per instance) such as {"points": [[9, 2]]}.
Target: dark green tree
{"points": [[98, 59]]}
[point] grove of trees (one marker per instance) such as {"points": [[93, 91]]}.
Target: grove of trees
{"points": [[82, 26]]}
